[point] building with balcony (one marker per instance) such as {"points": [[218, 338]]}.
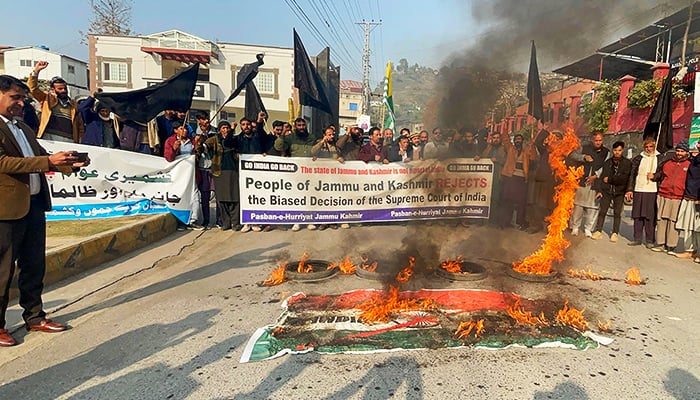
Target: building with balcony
{"points": [[123, 63], [20, 61]]}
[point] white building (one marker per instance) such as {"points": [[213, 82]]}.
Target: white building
{"points": [[19, 62], [123, 63]]}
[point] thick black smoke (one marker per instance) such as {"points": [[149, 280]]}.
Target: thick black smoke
{"points": [[563, 30]]}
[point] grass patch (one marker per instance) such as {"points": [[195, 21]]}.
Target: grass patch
{"points": [[89, 227]]}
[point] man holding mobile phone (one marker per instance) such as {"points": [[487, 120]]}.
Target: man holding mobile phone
{"points": [[25, 198]]}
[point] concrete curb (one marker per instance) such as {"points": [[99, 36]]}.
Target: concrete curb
{"points": [[68, 260]]}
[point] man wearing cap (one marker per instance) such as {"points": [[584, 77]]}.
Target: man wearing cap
{"points": [[417, 148], [100, 129], [60, 119], [670, 174], [224, 170]]}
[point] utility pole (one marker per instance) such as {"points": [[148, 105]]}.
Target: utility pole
{"points": [[366, 91]]}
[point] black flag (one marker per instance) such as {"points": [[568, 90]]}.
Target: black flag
{"points": [[307, 80], [534, 89], [660, 122], [253, 102], [245, 76], [143, 105]]}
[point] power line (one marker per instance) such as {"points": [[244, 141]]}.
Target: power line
{"points": [[342, 26], [331, 29], [381, 35], [294, 10], [304, 18], [323, 41], [351, 11]]}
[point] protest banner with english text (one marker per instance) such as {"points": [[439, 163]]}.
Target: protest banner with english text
{"points": [[280, 190]]}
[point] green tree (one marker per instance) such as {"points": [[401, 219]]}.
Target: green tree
{"points": [[402, 66], [597, 111]]}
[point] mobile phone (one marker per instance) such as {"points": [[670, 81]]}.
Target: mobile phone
{"points": [[82, 157]]}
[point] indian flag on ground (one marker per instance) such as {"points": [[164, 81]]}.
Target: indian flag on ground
{"points": [[388, 99], [331, 324]]}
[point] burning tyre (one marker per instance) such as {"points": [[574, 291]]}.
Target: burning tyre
{"points": [[460, 270], [309, 270]]}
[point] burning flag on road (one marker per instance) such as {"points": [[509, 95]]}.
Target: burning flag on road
{"points": [[424, 319]]}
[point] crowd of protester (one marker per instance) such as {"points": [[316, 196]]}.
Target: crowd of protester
{"points": [[663, 188]]}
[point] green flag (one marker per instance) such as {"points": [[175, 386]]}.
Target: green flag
{"points": [[389, 121]]}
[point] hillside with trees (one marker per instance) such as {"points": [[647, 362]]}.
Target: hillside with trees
{"points": [[456, 95], [413, 85]]}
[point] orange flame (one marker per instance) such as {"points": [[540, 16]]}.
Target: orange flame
{"points": [[305, 269], [465, 328], [572, 317], [453, 266], [525, 317], [585, 274], [540, 262], [346, 266], [277, 331], [372, 267], [405, 274], [604, 327], [633, 277], [277, 276], [385, 304]]}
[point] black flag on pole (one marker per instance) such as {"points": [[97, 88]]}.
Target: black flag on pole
{"points": [[534, 89], [143, 105], [660, 123], [311, 90], [245, 76], [253, 102]]}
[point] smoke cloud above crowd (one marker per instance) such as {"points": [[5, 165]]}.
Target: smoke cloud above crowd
{"points": [[564, 31]]}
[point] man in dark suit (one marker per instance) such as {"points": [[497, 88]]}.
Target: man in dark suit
{"points": [[25, 198]]}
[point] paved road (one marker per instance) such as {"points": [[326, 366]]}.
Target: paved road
{"points": [[172, 321]]}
